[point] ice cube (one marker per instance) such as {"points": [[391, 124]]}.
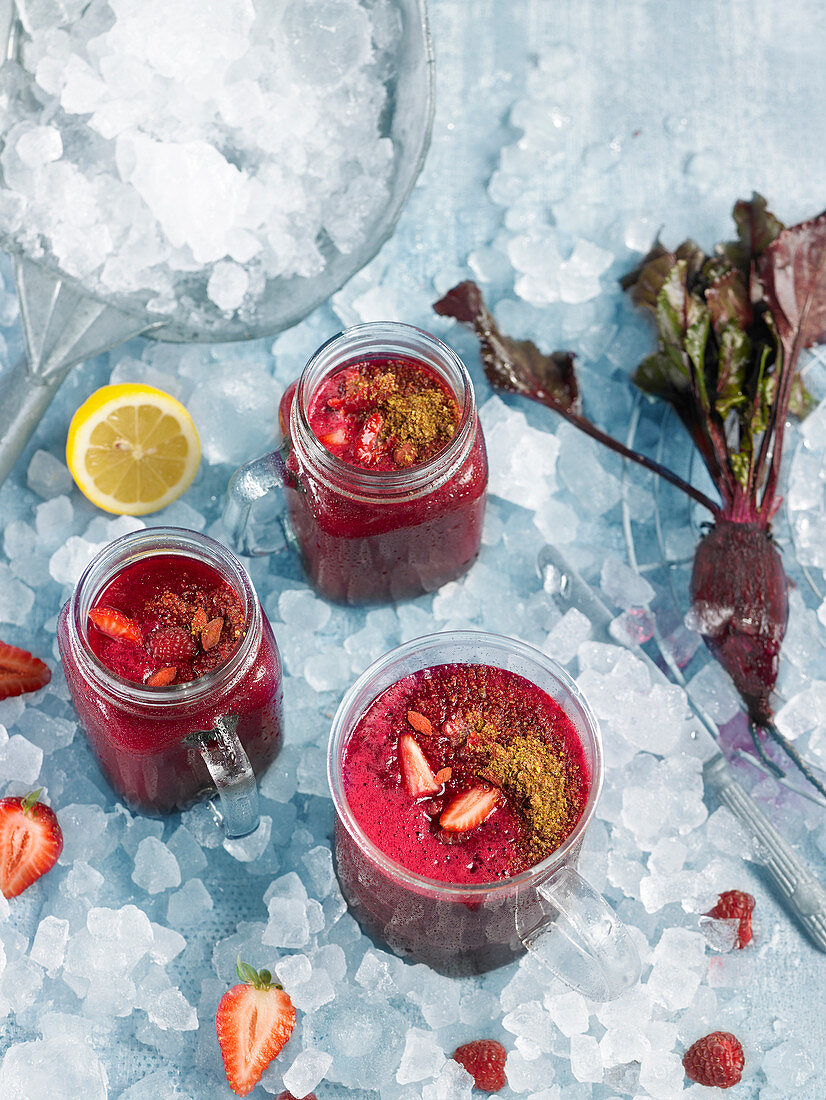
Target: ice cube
{"points": [[422, 1057], [46, 475], [453, 1083], [569, 1012], [20, 760], [16, 599], [307, 1071], [171, 1011], [190, 905], [586, 1058], [49, 1068], [156, 868], [302, 608], [49, 947], [227, 285], [249, 848], [624, 586], [187, 851], [722, 934]]}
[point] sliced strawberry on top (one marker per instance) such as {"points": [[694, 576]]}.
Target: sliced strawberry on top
{"points": [[20, 672], [253, 1022], [417, 775], [469, 809], [367, 445], [114, 624], [30, 842], [336, 437]]}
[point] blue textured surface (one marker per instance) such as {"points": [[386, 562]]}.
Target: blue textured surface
{"points": [[598, 121]]}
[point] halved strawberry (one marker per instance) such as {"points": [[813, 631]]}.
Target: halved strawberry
{"points": [[417, 775], [30, 842], [469, 809], [419, 722], [114, 624], [20, 672], [367, 445], [253, 1022]]}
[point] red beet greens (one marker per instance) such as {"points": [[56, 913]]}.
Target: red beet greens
{"points": [[730, 329]]}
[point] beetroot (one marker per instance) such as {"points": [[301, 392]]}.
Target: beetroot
{"points": [[730, 328], [740, 604]]}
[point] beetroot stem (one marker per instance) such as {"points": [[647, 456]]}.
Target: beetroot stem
{"points": [[634, 456]]}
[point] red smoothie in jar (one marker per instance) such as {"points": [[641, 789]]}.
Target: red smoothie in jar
{"points": [[161, 647], [465, 774], [387, 467]]}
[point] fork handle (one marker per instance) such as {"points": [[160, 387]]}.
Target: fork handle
{"points": [[804, 895]]}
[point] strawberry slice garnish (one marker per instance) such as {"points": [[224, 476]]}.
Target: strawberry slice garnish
{"points": [[335, 438], [30, 842], [469, 809], [20, 672], [367, 445], [253, 1021], [114, 624], [417, 775]]}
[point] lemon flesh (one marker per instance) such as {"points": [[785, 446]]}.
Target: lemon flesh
{"points": [[132, 449]]}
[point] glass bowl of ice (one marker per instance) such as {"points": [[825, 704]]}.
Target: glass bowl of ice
{"points": [[218, 178]]}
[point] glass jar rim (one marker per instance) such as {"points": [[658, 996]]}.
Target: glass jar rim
{"points": [[336, 745], [402, 340], [135, 546]]}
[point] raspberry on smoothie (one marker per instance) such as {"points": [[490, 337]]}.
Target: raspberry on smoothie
{"points": [[465, 773]]}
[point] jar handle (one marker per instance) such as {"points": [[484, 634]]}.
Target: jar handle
{"points": [[247, 485], [231, 773], [583, 941]]}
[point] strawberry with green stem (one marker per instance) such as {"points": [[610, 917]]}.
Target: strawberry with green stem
{"points": [[253, 1021], [31, 841]]}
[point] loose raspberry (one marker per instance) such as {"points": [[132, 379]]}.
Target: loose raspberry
{"points": [[715, 1060], [735, 905], [285, 1095], [171, 645], [484, 1059]]}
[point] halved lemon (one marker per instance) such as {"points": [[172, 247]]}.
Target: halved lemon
{"points": [[132, 449]]}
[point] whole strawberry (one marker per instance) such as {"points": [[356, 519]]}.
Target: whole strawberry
{"points": [[253, 1022], [735, 905], [716, 1060], [31, 841], [484, 1059]]}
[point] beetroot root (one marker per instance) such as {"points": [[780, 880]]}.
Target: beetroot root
{"points": [[740, 605]]}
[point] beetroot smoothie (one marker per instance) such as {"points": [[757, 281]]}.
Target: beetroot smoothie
{"points": [[442, 765], [161, 644], [387, 469], [456, 785]]}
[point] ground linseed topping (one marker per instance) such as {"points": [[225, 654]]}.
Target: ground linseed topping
{"points": [[425, 419], [540, 780]]}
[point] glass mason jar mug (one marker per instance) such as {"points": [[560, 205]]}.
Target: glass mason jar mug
{"points": [[548, 909], [366, 535], [164, 747]]}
